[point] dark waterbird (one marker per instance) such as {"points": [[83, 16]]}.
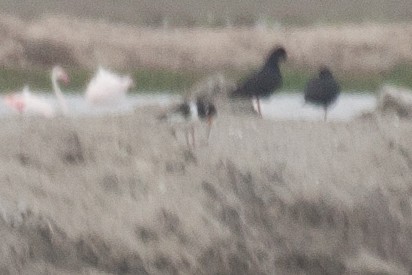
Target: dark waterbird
{"points": [[265, 81], [322, 90]]}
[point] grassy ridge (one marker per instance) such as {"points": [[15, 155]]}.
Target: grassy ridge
{"points": [[152, 80], [216, 12]]}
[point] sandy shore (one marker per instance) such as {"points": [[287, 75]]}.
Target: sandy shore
{"points": [[119, 194]]}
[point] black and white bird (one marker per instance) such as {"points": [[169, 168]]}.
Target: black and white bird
{"points": [[265, 81], [188, 113], [322, 90]]}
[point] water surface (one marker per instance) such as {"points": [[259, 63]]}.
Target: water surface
{"points": [[291, 106], [281, 106]]}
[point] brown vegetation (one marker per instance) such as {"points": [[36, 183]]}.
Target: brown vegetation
{"points": [[119, 195], [72, 42]]}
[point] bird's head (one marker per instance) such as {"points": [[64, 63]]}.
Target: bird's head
{"points": [[278, 54], [60, 74], [325, 72]]}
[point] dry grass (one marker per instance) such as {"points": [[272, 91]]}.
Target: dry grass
{"points": [[347, 48], [119, 195]]}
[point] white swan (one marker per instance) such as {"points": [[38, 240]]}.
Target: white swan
{"points": [[26, 102], [107, 87]]}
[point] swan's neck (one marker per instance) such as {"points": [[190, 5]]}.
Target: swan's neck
{"points": [[59, 95]]}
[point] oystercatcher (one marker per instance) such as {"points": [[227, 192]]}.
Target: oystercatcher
{"points": [[190, 112], [322, 90], [265, 81]]}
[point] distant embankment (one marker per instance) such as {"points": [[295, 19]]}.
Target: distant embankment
{"points": [[365, 48]]}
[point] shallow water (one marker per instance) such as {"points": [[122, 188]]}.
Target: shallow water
{"points": [[291, 106], [282, 106], [79, 107]]}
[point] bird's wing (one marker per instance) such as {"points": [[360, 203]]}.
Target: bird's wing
{"points": [[262, 82], [105, 85], [38, 105], [321, 89], [314, 90], [247, 88]]}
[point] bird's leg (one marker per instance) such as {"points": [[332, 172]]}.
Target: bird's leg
{"points": [[209, 128], [258, 106], [208, 133], [173, 133], [187, 137], [326, 113], [192, 129]]}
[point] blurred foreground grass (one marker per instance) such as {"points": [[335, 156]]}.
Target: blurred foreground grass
{"points": [[155, 80]]}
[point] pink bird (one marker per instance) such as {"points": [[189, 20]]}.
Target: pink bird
{"points": [[26, 102], [107, 87]]}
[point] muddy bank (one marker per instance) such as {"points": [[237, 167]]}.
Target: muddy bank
{"points": [[367, 48], [119, 195]]}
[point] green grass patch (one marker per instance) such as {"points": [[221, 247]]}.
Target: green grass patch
{"points": [[155, 80], [400, 75], [15, 79], [150, 80], [166, 80]]}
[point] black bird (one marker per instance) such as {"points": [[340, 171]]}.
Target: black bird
{"points": [[322, 90], [264, 82], [190, 112]]}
